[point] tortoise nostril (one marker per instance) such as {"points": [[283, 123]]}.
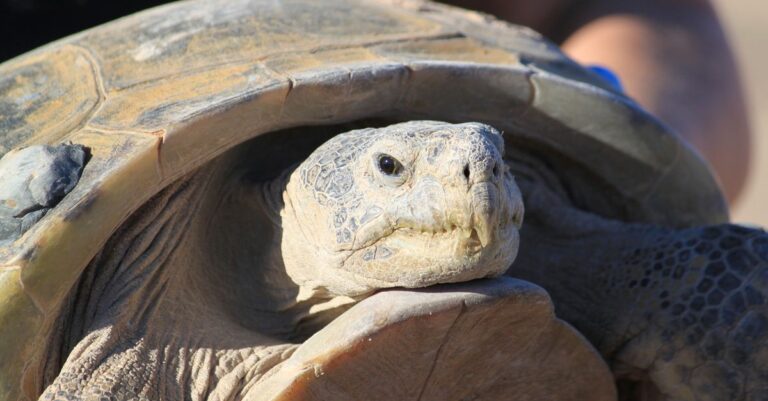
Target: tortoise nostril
{"points": [[496, 169], [466, 171]]}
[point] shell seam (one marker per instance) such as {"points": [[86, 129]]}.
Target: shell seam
{"points": [[308, 50], [98, 80]]}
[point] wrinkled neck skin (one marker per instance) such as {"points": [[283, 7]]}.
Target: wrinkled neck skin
{"points": [[309, 306], [590, 265], [176, 308], [568, 251]]}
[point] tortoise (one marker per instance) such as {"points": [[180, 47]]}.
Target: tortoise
{"points": [[149, 162]]}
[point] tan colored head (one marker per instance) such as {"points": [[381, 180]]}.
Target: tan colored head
{"points": [[409, 205]]}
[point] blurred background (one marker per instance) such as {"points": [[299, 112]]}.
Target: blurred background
{"points": [[746, 23], [26, 24]]}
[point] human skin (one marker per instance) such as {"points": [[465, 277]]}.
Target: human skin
{"points": [[672, 57]]}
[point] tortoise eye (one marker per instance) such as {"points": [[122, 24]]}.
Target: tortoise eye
{"points": [[389, 165]]}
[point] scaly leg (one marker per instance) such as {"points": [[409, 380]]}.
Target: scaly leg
{"points": [[682, 313]]}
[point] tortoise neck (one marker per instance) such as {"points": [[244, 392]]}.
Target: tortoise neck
{"points": [[196, 272], [589, 265], [306, 308]]}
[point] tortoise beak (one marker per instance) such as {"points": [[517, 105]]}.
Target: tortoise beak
{"points": [[485, 203]]}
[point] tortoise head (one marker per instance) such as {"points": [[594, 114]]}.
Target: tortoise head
{"points": [[409, 205]]}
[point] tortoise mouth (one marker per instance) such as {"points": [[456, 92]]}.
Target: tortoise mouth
{"points": [[464, 226], [447, 245], [449, 240], [417, 257], [462, 241]]}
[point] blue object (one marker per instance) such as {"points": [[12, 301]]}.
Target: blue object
{"points": [[608, 76]]}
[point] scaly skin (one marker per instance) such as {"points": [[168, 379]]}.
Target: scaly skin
{"points": [[198, 293], [450, 214], [682, 313]]}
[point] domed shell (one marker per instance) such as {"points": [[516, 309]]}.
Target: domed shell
{"points": [[156, 94]]}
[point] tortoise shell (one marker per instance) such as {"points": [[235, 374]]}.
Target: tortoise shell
{"points": [[158, 94]]}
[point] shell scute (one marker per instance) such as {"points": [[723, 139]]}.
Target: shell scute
{"points": [[46, 96]]}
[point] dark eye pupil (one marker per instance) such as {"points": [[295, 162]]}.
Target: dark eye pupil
{"points": [[388, 165]]}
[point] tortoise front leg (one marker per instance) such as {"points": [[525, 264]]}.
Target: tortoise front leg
{"points": [[682, 310]]}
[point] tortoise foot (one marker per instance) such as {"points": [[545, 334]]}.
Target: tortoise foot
{"points": [[484, 340]]}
